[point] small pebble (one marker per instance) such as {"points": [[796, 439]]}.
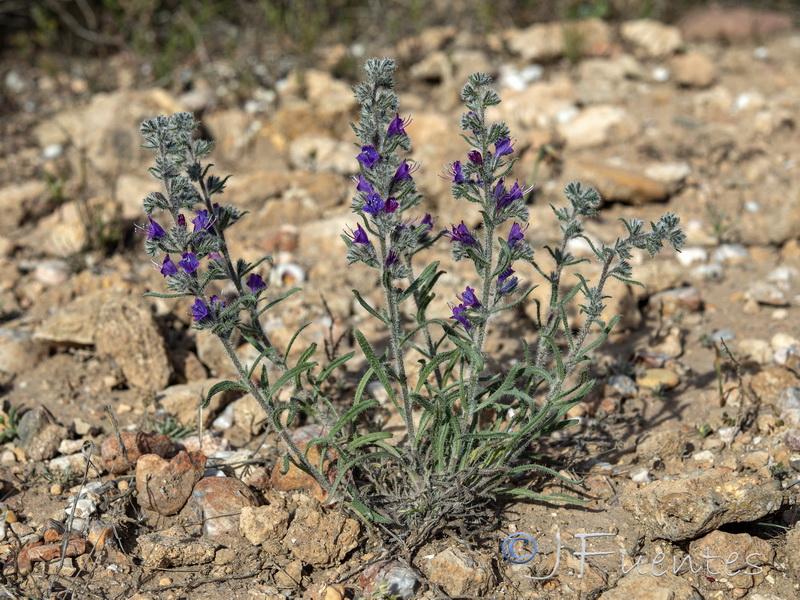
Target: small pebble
{"points": [[653, 378], [722, 335], [56, 489], [165, 581], [693, 254], [641, 475], [730, 253]]}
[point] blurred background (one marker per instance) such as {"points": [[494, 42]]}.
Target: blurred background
{"points": [[165, 36]]}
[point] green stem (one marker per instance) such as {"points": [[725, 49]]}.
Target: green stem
{"points": [[269, 408]]}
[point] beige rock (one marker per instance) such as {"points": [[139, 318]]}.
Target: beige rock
{"points": [[128, 333], [615, 184], [648, 587], [460, 572], [655, 378], [184, 401], [319, 537], [74, 324], [15, 199], [173, 547], [684, 509], [693, 70], [263, 523], [650, 38]]}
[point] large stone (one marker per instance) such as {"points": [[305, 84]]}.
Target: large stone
{"points": [[39, 434], [684, 509], [165, 485], [184, 401], [650, 38], [136, 443], [615, 184], [128, 333], [733, 25], [74, 324], [548, 41], [320, 537], [106, 131], [174, 548], [597, 126], [648, 587], [216, 505], [693, 70], [461, 573]]}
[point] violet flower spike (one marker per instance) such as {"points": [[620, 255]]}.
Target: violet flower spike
{"points": [[427, 222], [199, 310], [469, 298], [391, 258], [391, 205], [461, 234], [397, 126], [168, 267], [181, 221], [516, 234], [475, 157], [374, 204], [359, 236], [364, 185], [506, 283], [154, 230], [404, 172], [369, 156], [503, 148], [458, 315], [189, 262], [256, 283], [202, 222], [455, 174]]}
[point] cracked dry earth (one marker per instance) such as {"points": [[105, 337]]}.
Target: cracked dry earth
{"points": [[690, 458]]}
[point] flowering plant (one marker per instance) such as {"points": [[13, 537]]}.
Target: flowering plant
{"points": [[469, 432]]}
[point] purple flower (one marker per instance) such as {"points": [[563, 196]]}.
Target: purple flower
{"points": [[181, 221], [215, 256], [403, 171], [505, 282], [503, 148], [168, 267], [469, 298], [503, 198], [216, 303], [427, 222], [458, 315], [255, 282], [391, 258], [154, 230], [460, 233], [202, 222], [516, 234], [455, 174], [397, 125], [475, 156], [359, 236], [374, 204], [189, 262], [369, 156], [199, 310], [391, 205], [364, 185]]}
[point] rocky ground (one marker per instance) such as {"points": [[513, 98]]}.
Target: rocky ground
{"points": [[690, 457]]}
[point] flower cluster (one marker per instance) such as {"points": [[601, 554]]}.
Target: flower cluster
{"points": [[385, 185]]}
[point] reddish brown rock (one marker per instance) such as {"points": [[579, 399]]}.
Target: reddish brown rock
{"points": [[216, 504], [136, 444], [165, 486]]}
